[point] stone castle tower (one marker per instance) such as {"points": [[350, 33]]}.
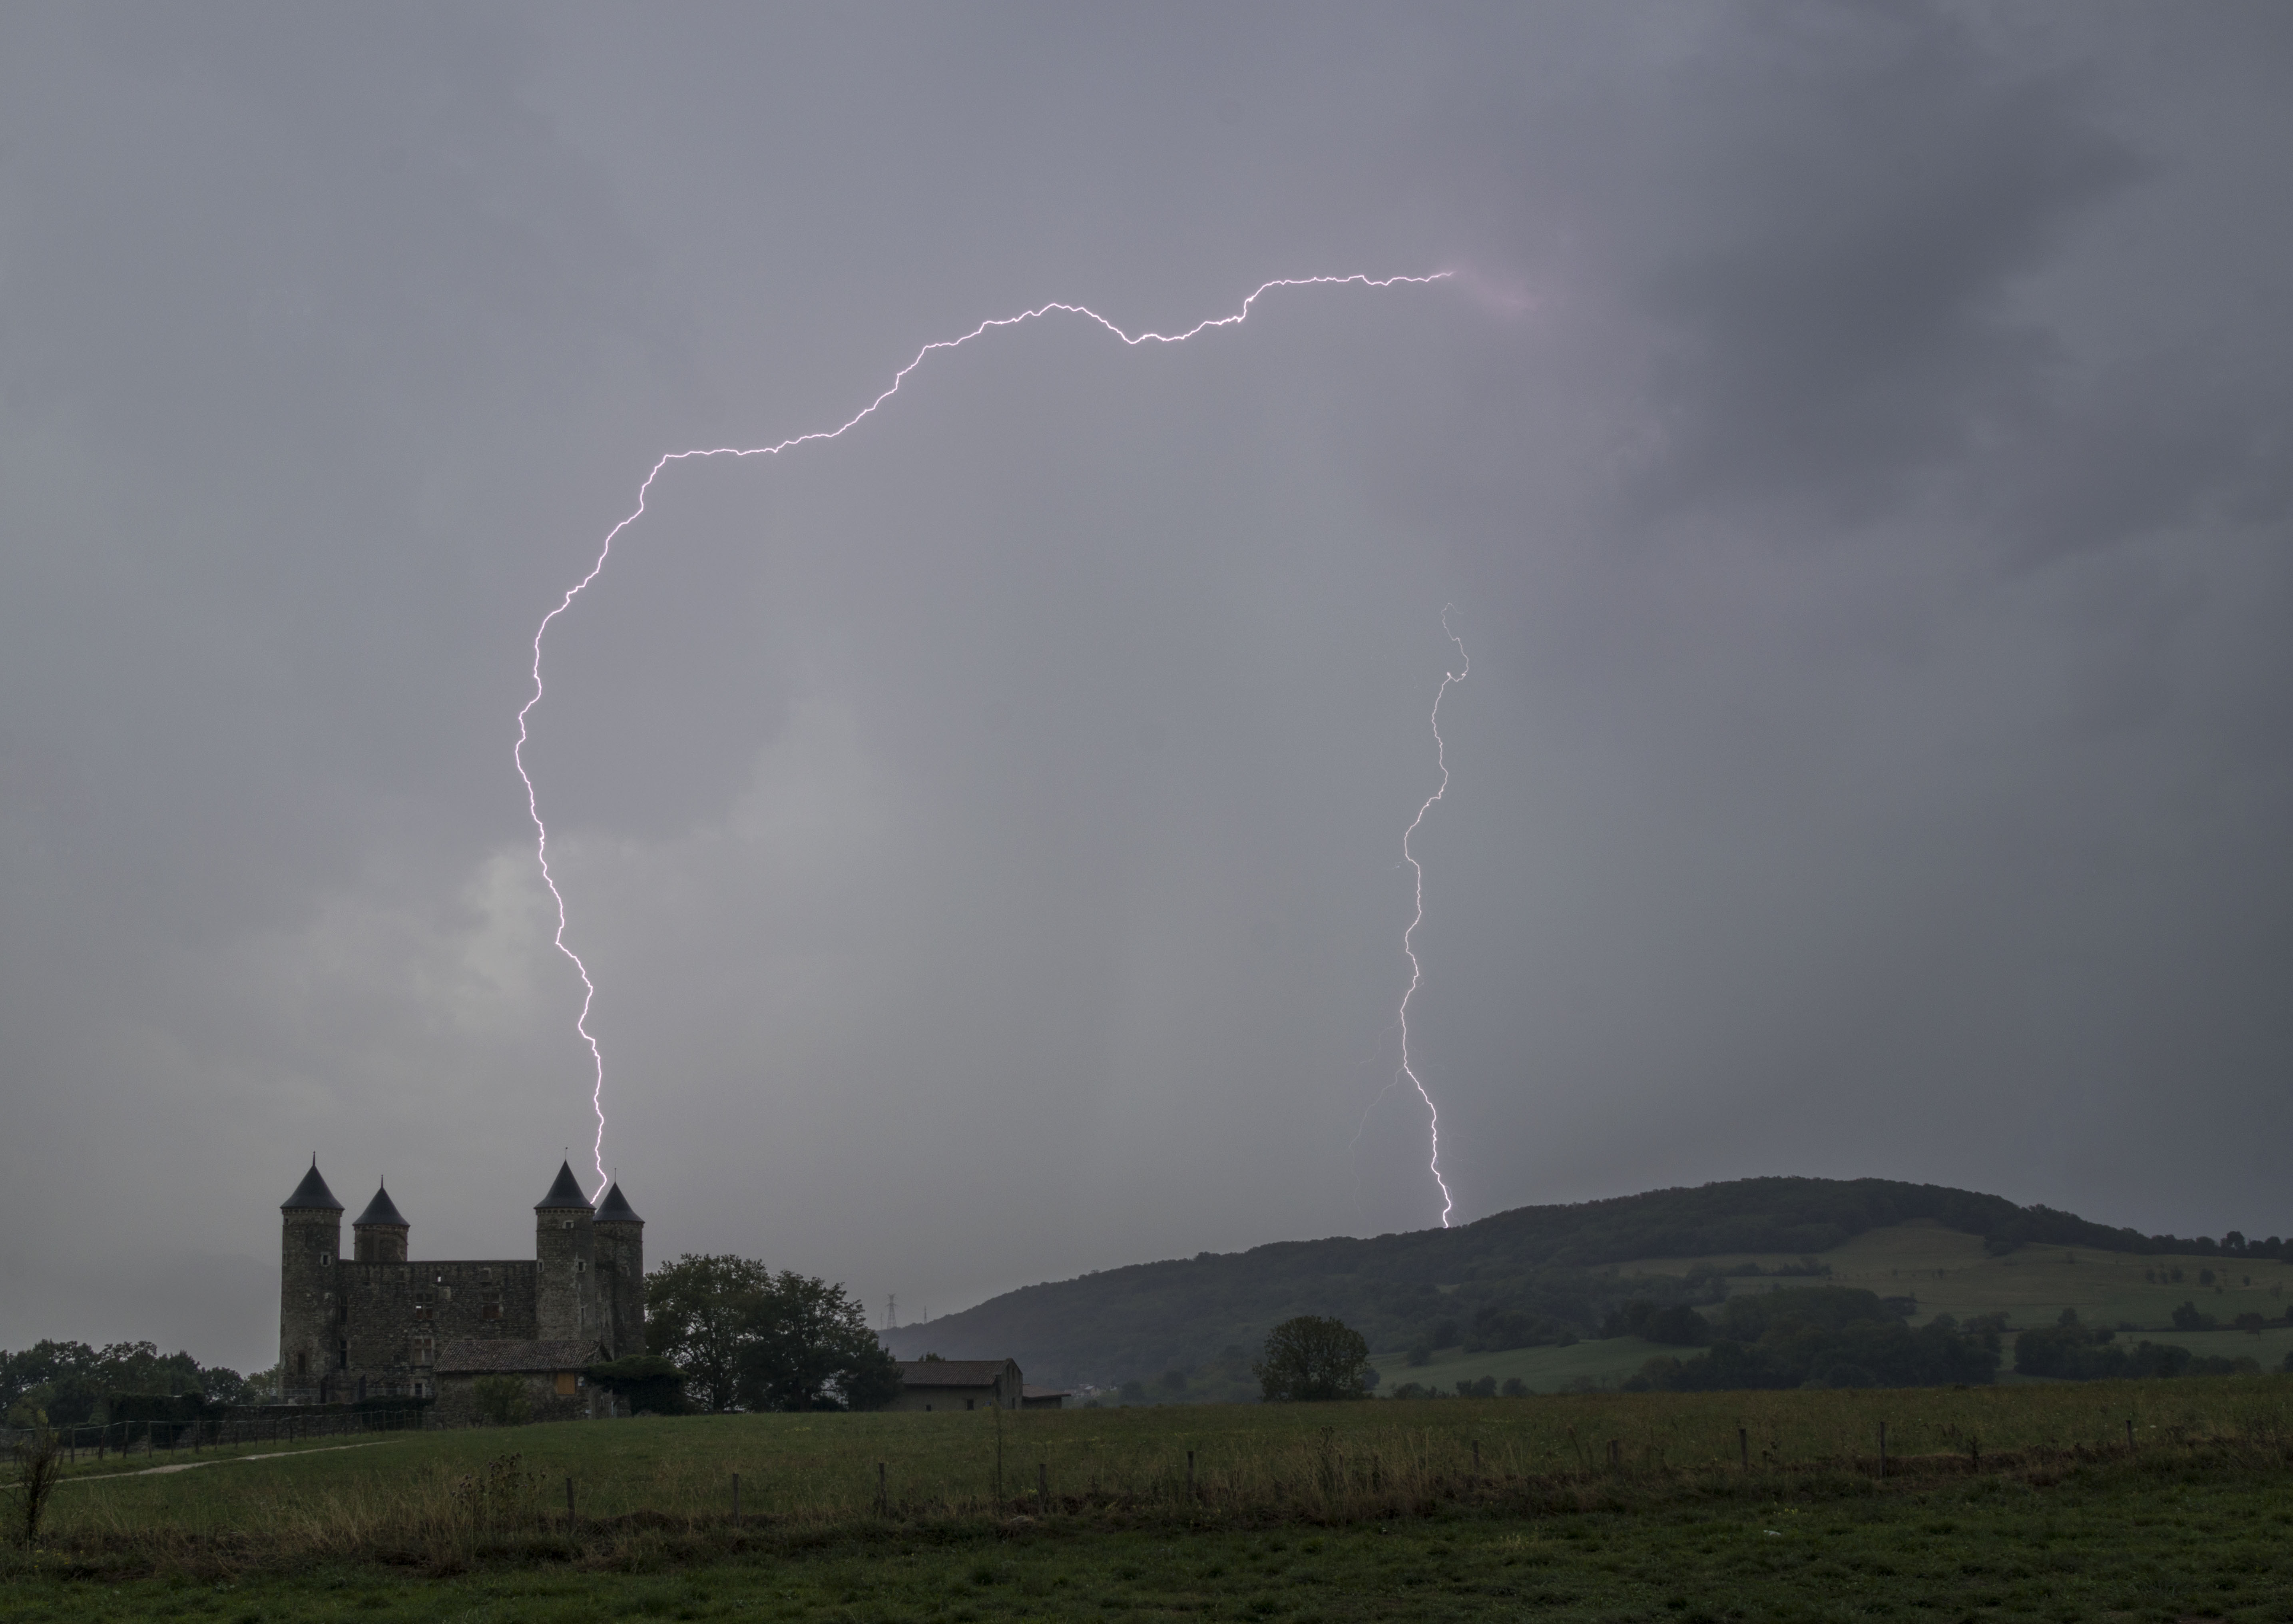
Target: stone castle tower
{"points": [[379, 1324]]}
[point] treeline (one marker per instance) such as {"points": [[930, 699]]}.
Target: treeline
{"points": [[2070, 1350], [69, 1383], [1534, 1275], [1815, 1336]]}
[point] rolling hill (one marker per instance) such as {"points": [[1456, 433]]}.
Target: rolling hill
{"points": [[1535, 1276]]}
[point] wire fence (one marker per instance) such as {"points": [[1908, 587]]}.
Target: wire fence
{"points": [[165, 1436]]}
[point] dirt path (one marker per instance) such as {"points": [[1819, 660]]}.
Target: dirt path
{"points": [[224, 1460]]}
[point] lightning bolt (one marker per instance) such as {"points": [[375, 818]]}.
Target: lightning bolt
{"points": [[517, 754], [1408, 936]]}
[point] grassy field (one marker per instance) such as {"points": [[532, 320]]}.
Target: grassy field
{"points": [[2189, 1539], [1950, 1273], [656, 1494]]}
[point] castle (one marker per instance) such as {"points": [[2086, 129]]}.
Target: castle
{"points": [[375, 1324]]}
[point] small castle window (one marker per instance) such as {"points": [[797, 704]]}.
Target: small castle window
{"points": [[580, 1266], [326, 1260]]}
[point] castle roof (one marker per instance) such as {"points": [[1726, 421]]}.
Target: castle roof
{"points": [[615, 1207], [382, 1209], [565, 1192], [311, 1192]]}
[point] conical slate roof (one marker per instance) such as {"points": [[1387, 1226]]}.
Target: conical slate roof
{"points": [[382, 1209], [565, 1192], [312, 1191], [615, 1207]]}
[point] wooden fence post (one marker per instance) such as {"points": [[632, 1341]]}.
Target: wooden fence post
{"points": [[1044, 1484], [569, 1508], [2129, 1435], [1882, 1448], [736, 1499], [1190, 1475], [883, 1501], [1744, 1446]]}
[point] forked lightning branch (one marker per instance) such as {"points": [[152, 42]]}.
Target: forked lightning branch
{"points": [[604, 552]]}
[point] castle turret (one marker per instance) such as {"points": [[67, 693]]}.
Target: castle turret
{"points": [[378, 1234], [311, 1309], [564, 1253], [621, 1274]]}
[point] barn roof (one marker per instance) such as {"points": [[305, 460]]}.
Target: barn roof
{"points": [[954, 1372]]}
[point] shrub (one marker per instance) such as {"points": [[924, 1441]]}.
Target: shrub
{"points": [[1514, 1388], [502, 1400], [40, 1465], [652, 1386]]}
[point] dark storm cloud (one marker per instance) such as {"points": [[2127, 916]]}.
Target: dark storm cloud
{"points": [[1856, 439]]}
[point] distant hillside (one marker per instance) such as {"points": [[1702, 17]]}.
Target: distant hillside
{"points": [[1534, 1275]]}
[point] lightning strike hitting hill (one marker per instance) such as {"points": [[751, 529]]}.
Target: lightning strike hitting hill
{"points": [[1416, 973], [517, 755]]}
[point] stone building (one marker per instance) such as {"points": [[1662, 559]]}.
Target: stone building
{"points": [[959, 1383], [377, 1323]]}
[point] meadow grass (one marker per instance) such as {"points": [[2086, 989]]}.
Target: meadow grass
{"points": [[2195, 1530], [438, 1500]]}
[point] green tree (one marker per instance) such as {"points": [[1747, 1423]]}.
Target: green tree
{"points": [[698, 1317], [805, 1344], [651, 1383], [1310, 1357]]}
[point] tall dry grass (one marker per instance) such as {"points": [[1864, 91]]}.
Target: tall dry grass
{"points": [[654, 1493]]}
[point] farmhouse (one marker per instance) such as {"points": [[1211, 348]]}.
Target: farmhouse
{"points": [[959, 1383]]}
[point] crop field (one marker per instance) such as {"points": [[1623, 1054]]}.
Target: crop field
{"points": [[2037, 1499]]}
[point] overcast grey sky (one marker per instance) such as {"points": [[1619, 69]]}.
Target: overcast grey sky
{"points": [[1856, 442]]}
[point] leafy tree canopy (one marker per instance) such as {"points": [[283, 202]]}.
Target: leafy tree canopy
{"points": [[746, 1339], [71, 1382], [1312, 1358]]}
